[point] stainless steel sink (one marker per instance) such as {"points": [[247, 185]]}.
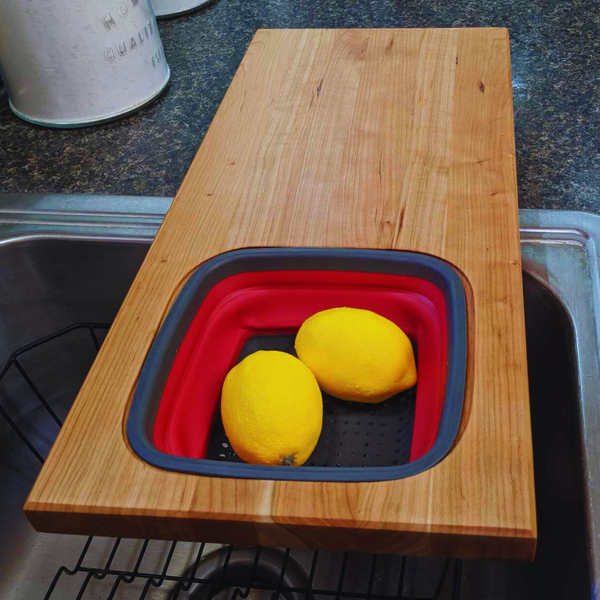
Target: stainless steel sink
{"points": [[68, 260]]}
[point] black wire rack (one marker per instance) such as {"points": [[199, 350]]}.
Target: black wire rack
{"points": [[232, 572]]}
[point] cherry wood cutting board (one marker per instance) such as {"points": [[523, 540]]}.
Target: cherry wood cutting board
{"points": [[345, 138]]}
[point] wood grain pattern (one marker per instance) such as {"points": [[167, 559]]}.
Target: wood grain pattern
{"points": [[350, 138]]}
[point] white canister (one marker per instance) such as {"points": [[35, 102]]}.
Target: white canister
{"points": [[174, 8], [71, 63]]}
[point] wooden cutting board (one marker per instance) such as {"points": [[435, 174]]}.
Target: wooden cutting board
{"points": [[346, 138]]}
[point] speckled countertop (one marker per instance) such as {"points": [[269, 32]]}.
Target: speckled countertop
{"points": [[556, 86]]}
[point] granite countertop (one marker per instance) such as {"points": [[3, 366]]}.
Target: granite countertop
{"points": [[556, 85]]}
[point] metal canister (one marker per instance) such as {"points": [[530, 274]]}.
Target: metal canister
{"points": [[174, 8], [71, 63]]}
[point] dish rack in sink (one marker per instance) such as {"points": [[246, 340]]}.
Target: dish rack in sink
{"points": [[214, 571]]}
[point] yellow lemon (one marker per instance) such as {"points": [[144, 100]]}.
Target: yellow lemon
{"points": [[357, 354], [272, 409]]}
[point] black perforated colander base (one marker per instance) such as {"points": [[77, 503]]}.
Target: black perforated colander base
{"points": [[353, 435]]}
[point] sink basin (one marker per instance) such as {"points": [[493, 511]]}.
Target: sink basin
{"points": [[63, 261]]}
